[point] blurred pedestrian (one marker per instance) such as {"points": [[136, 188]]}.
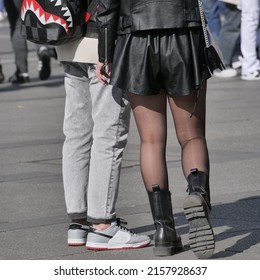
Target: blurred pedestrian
{"points": [[20, 48], [2, 11], [250, 21], [229, 39], [2, 77], [213, 10]]}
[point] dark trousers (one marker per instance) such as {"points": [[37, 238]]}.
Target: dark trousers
{"points": [[19, 44]]}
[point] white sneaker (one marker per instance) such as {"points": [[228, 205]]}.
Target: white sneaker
{"points": [[115, 237], [255, 76], [2, 16], [226, 73], [237, 64]]}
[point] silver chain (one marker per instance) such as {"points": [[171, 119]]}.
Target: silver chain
{"points": [[203, 22]]}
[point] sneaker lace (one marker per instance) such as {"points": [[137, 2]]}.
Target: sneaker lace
{"points": [[119, 223]]}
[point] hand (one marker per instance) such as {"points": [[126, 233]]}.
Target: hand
{"points": [[104, 72]]}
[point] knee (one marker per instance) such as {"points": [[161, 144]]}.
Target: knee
{"points": [[187, 140]]}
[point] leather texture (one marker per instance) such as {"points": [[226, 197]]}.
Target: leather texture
{"points": [[165, 236], [121, 16]]}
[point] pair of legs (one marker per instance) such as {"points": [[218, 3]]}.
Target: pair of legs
{"points": [[19, 43], [229, 37], [151, 119], [96, 124]]}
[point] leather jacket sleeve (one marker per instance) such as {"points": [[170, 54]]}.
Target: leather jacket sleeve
{"points": [[107, 20]]}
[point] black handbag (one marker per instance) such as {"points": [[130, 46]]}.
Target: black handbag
{"points": [[55, 22], [212, 56]]}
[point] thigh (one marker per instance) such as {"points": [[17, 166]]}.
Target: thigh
{"points": [[13, 12], [78, 105], [111, 109], [189, 126], [150, 116]]}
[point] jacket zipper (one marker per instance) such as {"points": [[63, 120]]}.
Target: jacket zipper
{"points": [[106, 49]]}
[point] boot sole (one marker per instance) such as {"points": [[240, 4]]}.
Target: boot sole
{"points": [[168, 250], [201, 236]]}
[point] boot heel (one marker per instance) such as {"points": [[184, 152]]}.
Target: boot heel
{"points": [[163, 251], [172, 248]]}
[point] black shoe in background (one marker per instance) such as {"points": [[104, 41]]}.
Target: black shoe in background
{"points": [[2, 77], [19, 78], [44, 63]]}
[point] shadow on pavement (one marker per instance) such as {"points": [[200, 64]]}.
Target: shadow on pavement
{"points": [[54, 81], [240, 220]]}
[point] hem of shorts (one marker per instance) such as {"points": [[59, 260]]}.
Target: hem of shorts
{"points": [[185, 92]]}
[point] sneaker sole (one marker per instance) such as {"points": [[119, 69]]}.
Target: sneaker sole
{"points": [[75, 242], [201, 236], [102, 246], [250, 78]]}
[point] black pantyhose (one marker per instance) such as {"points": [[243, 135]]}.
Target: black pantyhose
{"points": [[150, 115]]}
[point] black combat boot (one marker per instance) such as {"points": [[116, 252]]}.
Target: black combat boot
{"points": [[166, 240], [196, 209]]}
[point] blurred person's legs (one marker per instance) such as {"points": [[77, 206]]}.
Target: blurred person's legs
{"points": [[2, 77], [229, 41], [19, 44], [249, 32], [258, 43], [2, 11], [213, 10], [2, 6], [45, 53]]}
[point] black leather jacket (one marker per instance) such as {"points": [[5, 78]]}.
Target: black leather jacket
{"points": [[115, 17]]}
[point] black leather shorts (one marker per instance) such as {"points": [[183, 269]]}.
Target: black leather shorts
{"points": [[146, 62]]}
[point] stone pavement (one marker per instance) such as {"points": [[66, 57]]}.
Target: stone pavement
{"points": [[33, 221]]}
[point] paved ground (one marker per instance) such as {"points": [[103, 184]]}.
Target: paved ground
{"points": [[33, 222]]}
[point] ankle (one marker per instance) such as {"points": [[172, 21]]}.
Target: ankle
{"points": [[101, 226], [79, 221]]}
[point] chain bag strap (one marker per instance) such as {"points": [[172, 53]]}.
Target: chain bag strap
{"points": [[212, 57]]}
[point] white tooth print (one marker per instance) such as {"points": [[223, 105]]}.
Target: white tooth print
{"points": [[33, 6]]}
